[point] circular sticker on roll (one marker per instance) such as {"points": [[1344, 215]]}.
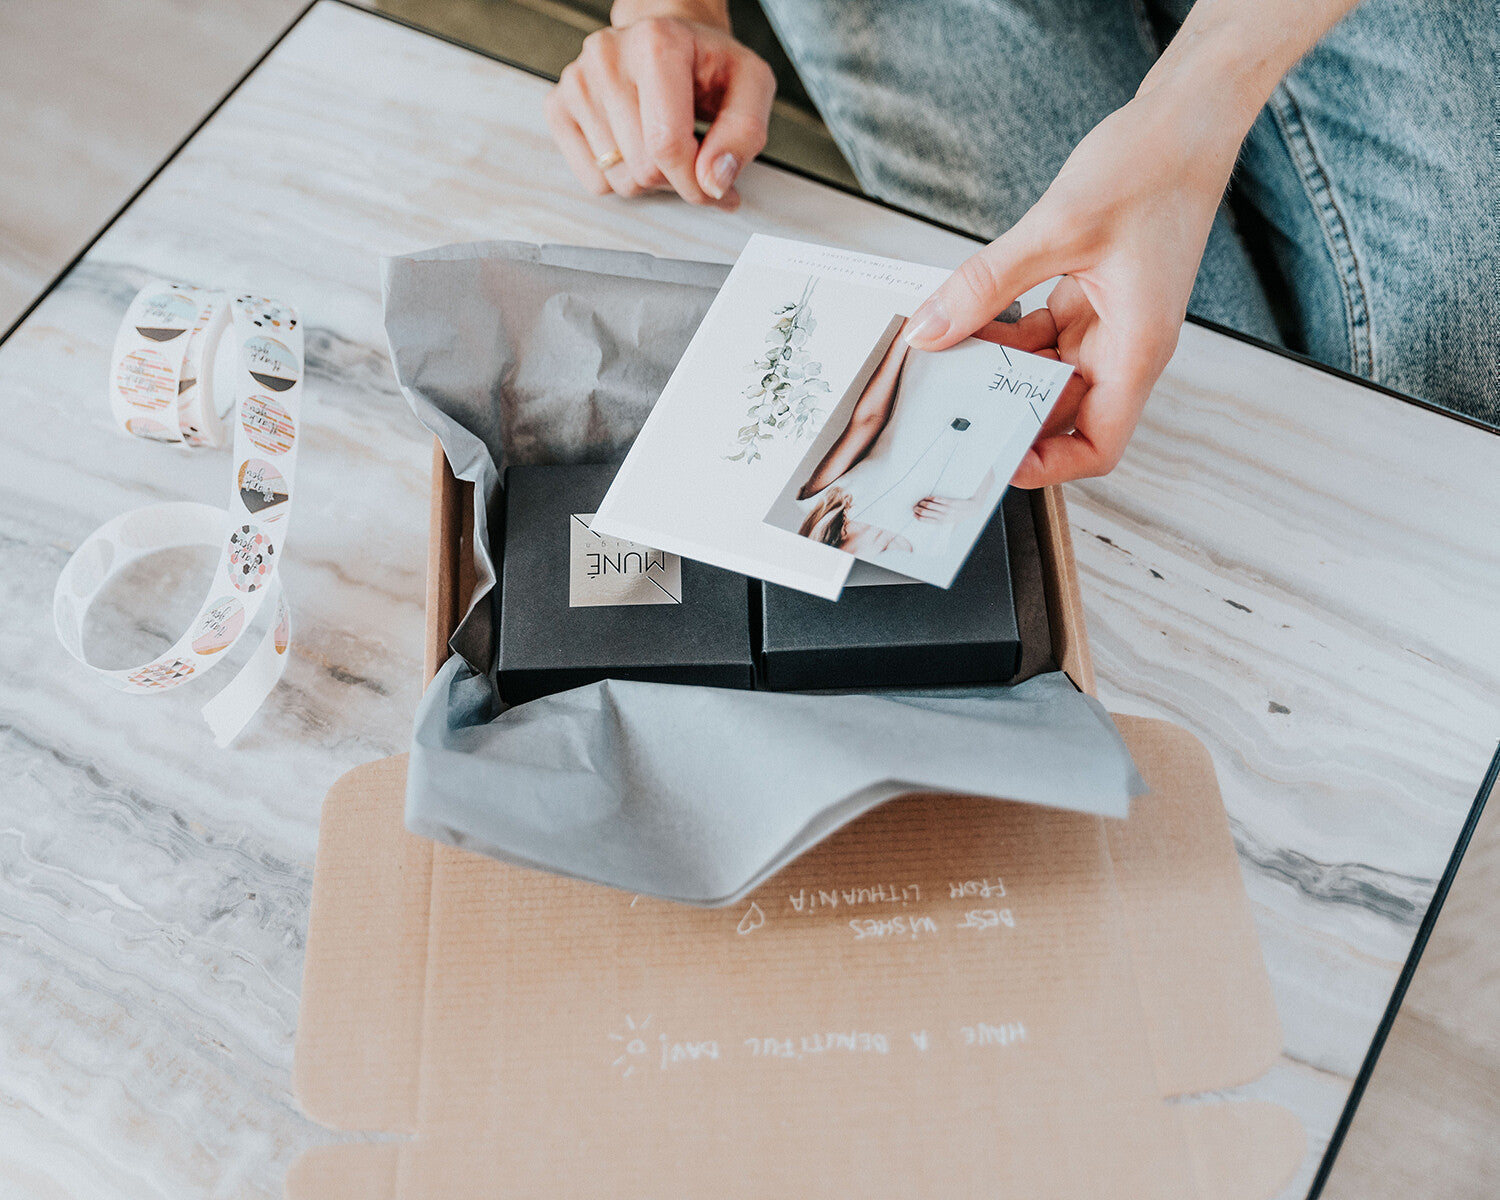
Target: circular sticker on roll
{"points": [[271, 364], [161, 675], [267, 425], [262, 487], [219, 626], [145, 380], [165, 316], [251, 558]]}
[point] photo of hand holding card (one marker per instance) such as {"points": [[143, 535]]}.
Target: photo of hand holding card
{"points": [[909, 467], [800, 432]]}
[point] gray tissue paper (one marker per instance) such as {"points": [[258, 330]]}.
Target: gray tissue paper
{"points": [[513, 353]]}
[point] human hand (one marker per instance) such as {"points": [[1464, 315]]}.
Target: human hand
{"points": [[635, 90], [943, 510], [1125, 223]]}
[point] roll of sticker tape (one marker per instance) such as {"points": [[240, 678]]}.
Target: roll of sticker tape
{"points": [[199, 368]]}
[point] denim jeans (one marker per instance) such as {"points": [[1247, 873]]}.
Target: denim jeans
{"points": [[1370, 183]]}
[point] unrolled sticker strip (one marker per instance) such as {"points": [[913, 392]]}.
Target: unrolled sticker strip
{"points": [[195, 367]]}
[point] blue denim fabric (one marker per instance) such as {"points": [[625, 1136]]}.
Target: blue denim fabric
{"points": [[1374, 171]]}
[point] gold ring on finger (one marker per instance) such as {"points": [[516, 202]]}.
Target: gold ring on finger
{"points": [[610, 158]]}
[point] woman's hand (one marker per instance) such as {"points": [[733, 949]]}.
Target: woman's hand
{"points": [[942, 510], [945, 510], [1125, 223], [636, 89]]}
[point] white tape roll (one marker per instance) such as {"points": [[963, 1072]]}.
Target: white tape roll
{"points": [[195, 367]]}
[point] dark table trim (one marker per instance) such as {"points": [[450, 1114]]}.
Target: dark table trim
{"points": [[1408, 971]]}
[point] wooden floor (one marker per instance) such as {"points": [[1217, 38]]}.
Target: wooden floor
{"points": [[1429, 1124], [93, 93]]}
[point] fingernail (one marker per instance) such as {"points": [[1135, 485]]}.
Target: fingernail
{"points": [[725, 168], [930, 326]]}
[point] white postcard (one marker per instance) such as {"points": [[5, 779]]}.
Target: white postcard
{"points": [[797, 362], [787, 334]]}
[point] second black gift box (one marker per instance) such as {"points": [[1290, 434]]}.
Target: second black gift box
{"points": [[899, 634]]}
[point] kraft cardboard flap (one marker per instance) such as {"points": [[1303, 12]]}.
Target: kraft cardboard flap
{"points": [[1210, 1012], [364, 974], [1242, 1150], [482, 1006]]}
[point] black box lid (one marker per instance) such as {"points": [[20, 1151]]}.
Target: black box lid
{"points": [[907, 635], [547, 645]]}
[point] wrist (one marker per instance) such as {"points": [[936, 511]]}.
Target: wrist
{"points": [[1221, 67], [1203, 101], [700, 12], [1209, 98]]}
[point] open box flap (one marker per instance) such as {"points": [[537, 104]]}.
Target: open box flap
{"points": [[365, 971], [1204, 1003], [1191, 934]]}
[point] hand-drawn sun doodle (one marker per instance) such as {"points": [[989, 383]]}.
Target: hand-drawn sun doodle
{"points": [[634, 1046]]}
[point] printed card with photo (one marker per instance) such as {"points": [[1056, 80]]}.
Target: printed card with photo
{"points": [[793, 327], [914, 459], [799, 432]]}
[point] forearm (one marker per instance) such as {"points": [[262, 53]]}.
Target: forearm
{"points": [[870, 414], [1229, 55], [704, 12], [853, 444]]}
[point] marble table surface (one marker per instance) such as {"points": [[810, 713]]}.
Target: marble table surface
{"points": [[1301, 570]]}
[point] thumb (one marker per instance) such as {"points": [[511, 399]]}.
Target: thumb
{"points": [[980, 289], [738, 132]]}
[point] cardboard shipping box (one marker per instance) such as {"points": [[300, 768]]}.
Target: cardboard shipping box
{"points": [[950, 996]]}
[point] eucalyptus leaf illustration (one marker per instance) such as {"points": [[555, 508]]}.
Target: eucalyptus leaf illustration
{"points": [[788, 383]]}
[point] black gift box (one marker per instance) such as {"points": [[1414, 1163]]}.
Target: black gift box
{"points": [[575, 608], [909, 635]]}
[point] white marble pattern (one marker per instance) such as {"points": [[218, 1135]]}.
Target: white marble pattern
{"points": [[1299, 570]]}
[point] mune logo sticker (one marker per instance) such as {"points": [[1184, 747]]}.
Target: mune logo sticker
{"points": [[606, 571]]}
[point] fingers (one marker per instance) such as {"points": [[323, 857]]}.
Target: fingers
{"points": [[1105, 417], [1061, 458], [936, 509], [1064, 414], [1035, 333], [596, 102], [574, 146], [738, 132], [616, 102], [664, 86], [637, 90], [604, 106], [562, 107], [983, 286]]}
